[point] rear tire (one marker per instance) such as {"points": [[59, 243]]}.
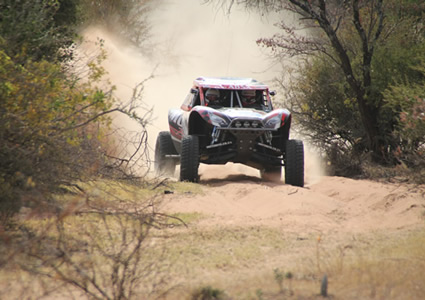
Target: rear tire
{"points": [[189, 159], [164, 146], [294, 163]]}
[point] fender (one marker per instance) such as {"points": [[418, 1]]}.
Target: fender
{"points": [[277, 118], [195, 121], [175, 121]]}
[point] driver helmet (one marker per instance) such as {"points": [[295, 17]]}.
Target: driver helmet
{"points": [[212, 96], [248, 97]]}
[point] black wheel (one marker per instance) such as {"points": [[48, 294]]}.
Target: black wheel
{"points": [[164, 146], [273, 174], [189, 159], [294, 163]]}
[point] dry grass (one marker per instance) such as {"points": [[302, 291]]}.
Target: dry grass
{"points": [[398, 173], [99, 244], [231, 262], [380, 265], [389, 269]]}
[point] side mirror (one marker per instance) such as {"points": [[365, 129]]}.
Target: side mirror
{"points": [[193, 91], [272, 93]]}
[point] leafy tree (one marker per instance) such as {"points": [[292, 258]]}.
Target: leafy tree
{"points": [[39, 29], [68, 14], [332, 125], [356, 49], [326, 108]]}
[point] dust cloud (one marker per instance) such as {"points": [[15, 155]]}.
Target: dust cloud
{"points": [[189, 39]]}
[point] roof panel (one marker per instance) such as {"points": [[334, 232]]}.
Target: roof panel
{"points": [[236, 83]]}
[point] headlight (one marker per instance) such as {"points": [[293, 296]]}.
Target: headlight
{"points": [[217, 120], [273, 122]]}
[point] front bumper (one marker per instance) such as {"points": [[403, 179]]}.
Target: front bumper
{"points": [[251, 146]]}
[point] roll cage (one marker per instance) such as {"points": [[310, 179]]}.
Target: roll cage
{"points": [[230, 94]]}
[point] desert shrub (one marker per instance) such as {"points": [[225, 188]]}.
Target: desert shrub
{"points": [[408, 99], [100, 245], [44, 128], [208, 293], [53, 122]]}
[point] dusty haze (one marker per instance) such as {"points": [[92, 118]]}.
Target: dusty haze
{"points": [[230, 246], [190, 39]]}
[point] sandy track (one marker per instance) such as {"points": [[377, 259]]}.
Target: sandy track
{"points": [[235, 195]]}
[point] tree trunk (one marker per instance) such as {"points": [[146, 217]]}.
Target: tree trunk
{"points": [[369, 119]]}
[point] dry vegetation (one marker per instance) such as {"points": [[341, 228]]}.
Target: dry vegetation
{"points": [[65, 235], [112, 242]]}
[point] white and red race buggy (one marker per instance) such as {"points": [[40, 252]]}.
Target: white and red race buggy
{"points": [[230, 120]]}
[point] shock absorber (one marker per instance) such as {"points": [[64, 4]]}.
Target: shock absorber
{"points": [[215, 135]]}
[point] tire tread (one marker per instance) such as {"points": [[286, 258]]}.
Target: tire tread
{"points": [[294, 164], [189, 159]]}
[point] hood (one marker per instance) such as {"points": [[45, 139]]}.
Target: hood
{"points": [[238, 112]]}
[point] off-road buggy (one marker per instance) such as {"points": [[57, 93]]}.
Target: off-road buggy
{"points": [[230, 129]]}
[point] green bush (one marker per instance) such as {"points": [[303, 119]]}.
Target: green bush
{"points": [[48, 125], [408, 99]]}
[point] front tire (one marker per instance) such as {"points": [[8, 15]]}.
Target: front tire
{"points": [[294, 163], [189, 159], [164, 146]]}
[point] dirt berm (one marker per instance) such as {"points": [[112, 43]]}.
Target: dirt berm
{"points": [[249, 229]]}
